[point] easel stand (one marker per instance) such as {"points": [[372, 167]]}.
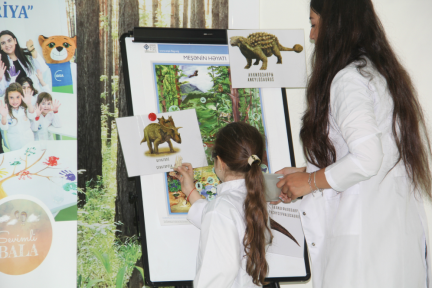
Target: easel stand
{"points": [[133, 46]]}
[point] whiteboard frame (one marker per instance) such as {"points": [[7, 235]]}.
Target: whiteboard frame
{"points": [[140, 32]]}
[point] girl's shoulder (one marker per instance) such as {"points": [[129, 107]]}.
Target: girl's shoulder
{"points": [[229, 205]]}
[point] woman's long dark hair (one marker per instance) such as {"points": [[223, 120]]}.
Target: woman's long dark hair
{"points": [[349, 30], [234, 144], [23, 55]]}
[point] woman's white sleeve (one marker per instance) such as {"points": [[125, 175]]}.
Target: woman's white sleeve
{"points": [[195, 212], [39, 63], [219, 252], [352, 108]]}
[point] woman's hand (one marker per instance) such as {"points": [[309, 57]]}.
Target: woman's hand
{"points": [[31, 48], [290, 170], [294, 185], [55, 106]]}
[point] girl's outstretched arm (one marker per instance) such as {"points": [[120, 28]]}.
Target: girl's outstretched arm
{"points": [[185, 176]]}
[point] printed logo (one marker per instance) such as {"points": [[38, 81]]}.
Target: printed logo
{"points": [[25, 236], [150, 48], [58, 74]]}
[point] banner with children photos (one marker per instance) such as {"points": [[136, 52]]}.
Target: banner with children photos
{"points": [[38, 164]]}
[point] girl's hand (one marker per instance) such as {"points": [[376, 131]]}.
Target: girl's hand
{"points": [[2, 69], [27, 97], [55, 106], [294, 185], [186, 177], [37, 110], [4, 109]]}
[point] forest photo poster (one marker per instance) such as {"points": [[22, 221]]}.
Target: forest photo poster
{"points": [[107, 228], [207, 89], [38, 151]]}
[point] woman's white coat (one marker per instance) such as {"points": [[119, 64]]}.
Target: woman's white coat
{"points": [[371, 229]]}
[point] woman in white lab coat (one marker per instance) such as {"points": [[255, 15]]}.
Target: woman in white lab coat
{"points": [[365, 141], [235, 229], [16, 62]]}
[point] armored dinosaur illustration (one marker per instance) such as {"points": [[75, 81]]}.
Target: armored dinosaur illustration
{"points": [[158, 133], [259, 46]]}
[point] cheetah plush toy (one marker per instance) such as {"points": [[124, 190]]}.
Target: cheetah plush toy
{"points": [[58, 52]]}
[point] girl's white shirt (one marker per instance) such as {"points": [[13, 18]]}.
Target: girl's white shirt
{"points": [[40, 126], [220, 259], [371, 229], [38, 63], [19, 131]]}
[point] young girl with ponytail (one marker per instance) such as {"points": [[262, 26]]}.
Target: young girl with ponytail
{"points": [[235, 229]]}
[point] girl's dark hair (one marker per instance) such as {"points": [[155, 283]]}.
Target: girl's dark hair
{"points": [[42, 96], [12, 88], [23, 80], [348, 31], [23, 55], [234, 144]]}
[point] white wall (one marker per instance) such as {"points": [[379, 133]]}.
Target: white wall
{"points": [[407, 27]]}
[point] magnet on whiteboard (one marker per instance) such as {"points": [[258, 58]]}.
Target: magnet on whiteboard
{"points": [[152, 116]]}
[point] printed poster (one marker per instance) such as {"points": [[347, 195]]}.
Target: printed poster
{"points": [[288, 237], [38, 147], [206, 89], [154, 143], [267, 58]]}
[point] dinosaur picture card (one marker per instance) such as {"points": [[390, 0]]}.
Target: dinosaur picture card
{"points": [[155, 143], [267, 58]]}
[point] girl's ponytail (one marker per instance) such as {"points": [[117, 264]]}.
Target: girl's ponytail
{"points": [[257, 226], [241, 147]]}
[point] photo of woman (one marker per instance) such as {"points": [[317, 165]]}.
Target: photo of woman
{"points": [[17, 62]]}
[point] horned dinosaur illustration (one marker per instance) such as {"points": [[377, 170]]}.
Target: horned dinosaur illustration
{"points": [[158, 133], [259, 46]]}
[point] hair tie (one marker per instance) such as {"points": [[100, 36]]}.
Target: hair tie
{"points": [[252, 159]]}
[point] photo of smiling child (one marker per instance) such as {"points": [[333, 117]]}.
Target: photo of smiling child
{"points": [[16, 113], [46, 115]]}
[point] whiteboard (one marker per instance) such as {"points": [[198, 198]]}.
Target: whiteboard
{"points": [[169, 251]]}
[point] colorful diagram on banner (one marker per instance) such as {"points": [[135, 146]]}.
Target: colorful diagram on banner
{"points": [[26, 234], [45, 170], [208, 90]]}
